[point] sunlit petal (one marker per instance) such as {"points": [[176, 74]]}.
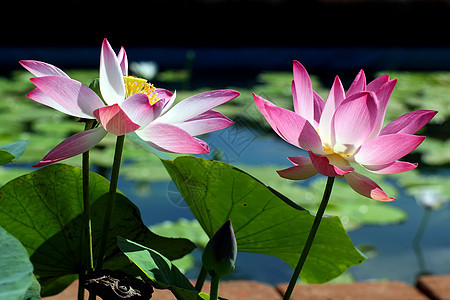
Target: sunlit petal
{"points": [[170, 138], [112, 85], [115, 120], [74, 145]]}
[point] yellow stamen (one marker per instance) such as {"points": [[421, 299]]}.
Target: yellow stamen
{"points": [[135, 85], [334, 151], [327, 149]]}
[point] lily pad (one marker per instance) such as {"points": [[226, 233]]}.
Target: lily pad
{"points": [[16, 270], [43, 210], [264, 221], [17, 149], [5, 157], [353, 209]]}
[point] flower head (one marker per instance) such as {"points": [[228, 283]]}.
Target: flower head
{"points": [[345, 129], [127, 104]]}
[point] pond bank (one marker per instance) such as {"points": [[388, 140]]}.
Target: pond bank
{"points": [[428, 287]]}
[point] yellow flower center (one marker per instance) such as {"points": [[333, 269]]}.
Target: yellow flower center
{"points": [[135, 85], [327, 149], [341, 150], [342, 153]]}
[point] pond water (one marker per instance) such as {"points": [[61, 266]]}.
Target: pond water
{"points": [[390, 248]]}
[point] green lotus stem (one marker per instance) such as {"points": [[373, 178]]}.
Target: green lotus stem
{"points": [[201, 279], [111, 200], [88, 260], [86, 236], [310, 239], [214, 291]]}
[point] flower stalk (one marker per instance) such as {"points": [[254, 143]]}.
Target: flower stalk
{"points": [[86, 236], [201, 279], [310, 239], [111, 200], [214, 290]]}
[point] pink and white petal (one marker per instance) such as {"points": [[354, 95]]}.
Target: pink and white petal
{"points": [[386, 149], [303, 169], [300, 160], [353, 122], [138, 108], [383, 95], [297, 173], [334, 99], [262, 103], [168, 99], [197, 104], [294, 129], [393, 168], [164, 94], [112, 85], [204, 123], [378, 82], [319, 104], [202, 143], [72, 95], [302, 92], [409, 123], [40, 69], [358, 85], [40, 97], [123, 61], [115, 120], [366, 187], [74, 145], [323, 166], [170, 138]]}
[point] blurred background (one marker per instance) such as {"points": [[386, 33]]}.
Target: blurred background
{"points": [[328, 33], [198, 45]]}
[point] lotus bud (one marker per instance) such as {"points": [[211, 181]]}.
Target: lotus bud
{"points": [[220, 253]]}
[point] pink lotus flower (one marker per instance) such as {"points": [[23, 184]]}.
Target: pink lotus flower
{"points": [[129, 104], [345, 129]]}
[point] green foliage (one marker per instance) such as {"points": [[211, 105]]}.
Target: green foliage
{"points": [[183, 228], [43, 210], [189, 229], [158, 271], [16, 270], [5, 157], [353, 209], [264, 221], [12, 151]]}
